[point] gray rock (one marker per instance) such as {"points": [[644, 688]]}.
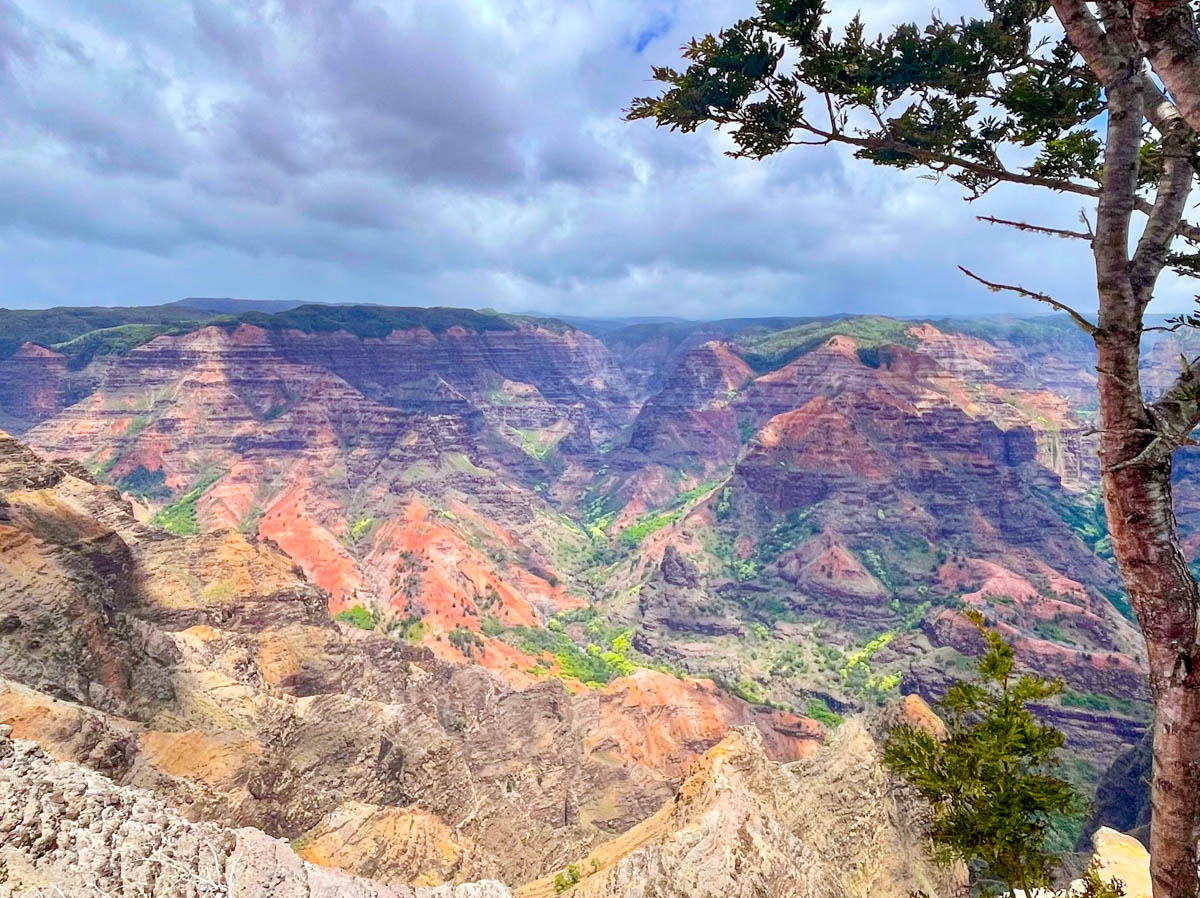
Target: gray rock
{"points": [[144, 849]]}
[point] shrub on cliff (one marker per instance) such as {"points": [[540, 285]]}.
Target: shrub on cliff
{"points": [[567, 878], [358, 616], [465, 640], [990, 781]]}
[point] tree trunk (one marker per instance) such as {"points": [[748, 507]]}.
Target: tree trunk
{"points": [[1141, 520]]}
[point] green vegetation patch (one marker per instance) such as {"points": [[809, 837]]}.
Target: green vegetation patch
{"points": [[595, 665], [379, 321], [361, 528], [862, 657], [766, 351], [654, 521], [788, 661], [410, 628], [857, 675], [61, 326], [465, 640], [598, 514], [789, 533], [112, 341], [537, 444], [180, 517], [647, 524], [818, 709], [567, 878], [1085, 516], [358, 616], [1094, 701]]}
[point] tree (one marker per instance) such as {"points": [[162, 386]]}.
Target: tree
{"points": [[989, 781], [1076, 84]]}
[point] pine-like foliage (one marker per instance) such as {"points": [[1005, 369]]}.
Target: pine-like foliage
{"points": [[990, 782]]}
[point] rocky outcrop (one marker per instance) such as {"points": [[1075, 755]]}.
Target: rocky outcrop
{"points": [[1118, 857], [67, 830], [825, 568], [675, 602], [740, 825], [665, 722]]}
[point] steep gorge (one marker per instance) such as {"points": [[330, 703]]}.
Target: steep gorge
{"points": [[565, 565]]}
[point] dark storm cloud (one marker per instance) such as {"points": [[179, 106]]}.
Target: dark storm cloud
{"points": [[466, 152]]}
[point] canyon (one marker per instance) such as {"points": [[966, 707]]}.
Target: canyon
{"points": [[450, 599]]}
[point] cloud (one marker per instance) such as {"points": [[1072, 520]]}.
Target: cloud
{"points": [[466, 152]]}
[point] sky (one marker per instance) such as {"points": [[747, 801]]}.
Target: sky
{"points": [[457, 152]]}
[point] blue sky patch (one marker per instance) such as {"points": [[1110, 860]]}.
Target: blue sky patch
{"points": [[657, 28]]}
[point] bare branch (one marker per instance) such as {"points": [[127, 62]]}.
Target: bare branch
{"points": [[1040, 229], [1086, 326], [1087, 224], [1096, 431], [1186, 230]]}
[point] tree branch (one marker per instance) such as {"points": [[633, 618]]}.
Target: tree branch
{"points": [[1086, 326], [1105, 59], [1039, 229], [1174, 184], [928, 157], [1167, 29], [935, 158], [1088, 38], [1166, 330], [1185, 229], [1188, 232]]}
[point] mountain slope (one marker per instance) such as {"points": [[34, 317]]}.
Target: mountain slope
{"points": [[504, 491], [741, 825], [209, 671]]}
